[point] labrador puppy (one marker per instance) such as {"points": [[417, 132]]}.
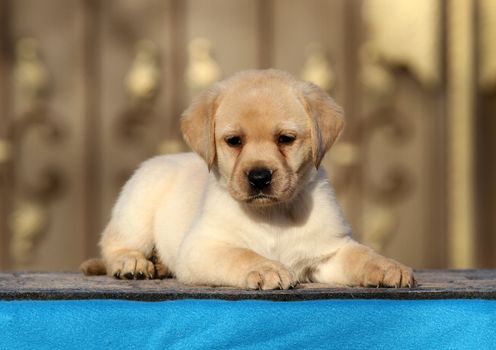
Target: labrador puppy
{"points": [[251, 208]]}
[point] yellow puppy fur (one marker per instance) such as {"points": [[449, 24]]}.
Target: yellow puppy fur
{"points": [[252, 207]]}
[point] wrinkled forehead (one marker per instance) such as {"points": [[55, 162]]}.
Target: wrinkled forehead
{"points": [[268, 105]]}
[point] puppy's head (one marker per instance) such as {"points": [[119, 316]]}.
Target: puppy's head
{"points": [[263, 131]]}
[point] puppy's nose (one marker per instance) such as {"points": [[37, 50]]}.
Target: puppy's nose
{"points": [[260, 178]]}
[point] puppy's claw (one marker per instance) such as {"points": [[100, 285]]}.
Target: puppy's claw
{"points": [[270, 276], [129, 276], [140, 275]]}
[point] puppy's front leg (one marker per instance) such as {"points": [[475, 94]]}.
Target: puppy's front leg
{"points": [[223, 265], [357, 265], [125, 258]]}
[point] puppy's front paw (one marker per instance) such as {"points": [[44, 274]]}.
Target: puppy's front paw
{"points": [[384, 272], [130, 267], [271, 275]]}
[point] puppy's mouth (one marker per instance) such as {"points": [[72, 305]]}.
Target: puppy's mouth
{"points": [[262, 198]]}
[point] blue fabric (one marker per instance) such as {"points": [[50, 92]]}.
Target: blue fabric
{"points": [[215, 324]]}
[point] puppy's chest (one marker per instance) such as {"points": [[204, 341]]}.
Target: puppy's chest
{"points": [[282, 242], [268, 242]]}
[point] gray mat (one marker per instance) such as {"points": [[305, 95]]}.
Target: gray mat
{"points": [[432, 284]]}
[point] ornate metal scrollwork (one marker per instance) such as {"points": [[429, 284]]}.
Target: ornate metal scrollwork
{"points": [[30, 216], [317, 67], [143, 80], [393, 185], [31, 73], [383, 57], [408, 37], [142, 84], [202, 69]]}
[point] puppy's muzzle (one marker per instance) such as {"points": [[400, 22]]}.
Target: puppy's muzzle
{"points": [[260, 178]]}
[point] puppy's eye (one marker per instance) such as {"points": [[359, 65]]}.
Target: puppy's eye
{"points": [[285, 139], [234, 141]]}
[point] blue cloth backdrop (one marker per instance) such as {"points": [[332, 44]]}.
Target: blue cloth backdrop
{"points": [[216, 324]]}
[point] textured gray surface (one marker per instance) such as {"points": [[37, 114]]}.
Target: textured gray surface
{"points": [[432, 284]]}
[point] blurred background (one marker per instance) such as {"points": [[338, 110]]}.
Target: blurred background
{"points": [[89, 89]]}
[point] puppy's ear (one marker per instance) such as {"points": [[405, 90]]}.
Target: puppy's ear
{"points": [[326, 117], [198, 124]]}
